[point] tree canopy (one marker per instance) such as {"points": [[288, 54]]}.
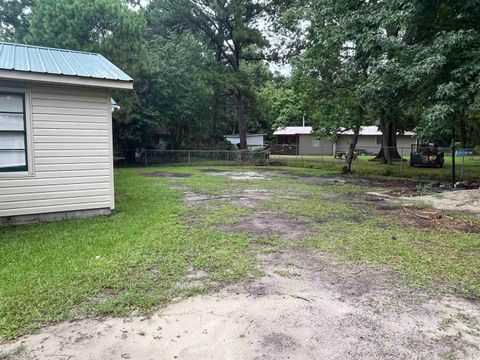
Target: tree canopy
{"points": [[200, 66]]}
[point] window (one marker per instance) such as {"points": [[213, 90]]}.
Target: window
{"points": [[315, 142], [13, 139]]}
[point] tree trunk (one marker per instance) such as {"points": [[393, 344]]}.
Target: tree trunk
{"points": [[240, 116], [389, 152], [214, 136], [463, 132], [347, 169], [130, 157], [216, 104]]}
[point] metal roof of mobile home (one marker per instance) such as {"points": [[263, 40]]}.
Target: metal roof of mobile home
{"points": [[43, 60], [307, 130]]}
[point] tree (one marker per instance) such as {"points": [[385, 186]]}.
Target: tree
{"points": [[229, 27], [331, 99], [282, 104], [14, 19], [109, 27], [368, 44], [179, 95], [329, 70], [106, 26], [449, 29]]}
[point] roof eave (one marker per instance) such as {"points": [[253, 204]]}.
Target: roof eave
{"points": [[65, 80]]}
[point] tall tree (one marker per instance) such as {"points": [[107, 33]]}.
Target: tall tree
{"points": [[450, 30], [179, 95], [230, 29], [14, 22], [107, 26], [368, 42], [112, 28]]}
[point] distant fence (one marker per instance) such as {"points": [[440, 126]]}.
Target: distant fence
{"points": [[330, 150], [192, 157], [467, 161]]}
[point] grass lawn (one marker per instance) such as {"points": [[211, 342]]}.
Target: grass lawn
{"points": [[466, 169], [111, 265], [139, 258]]}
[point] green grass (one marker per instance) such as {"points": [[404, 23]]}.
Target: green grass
{"points": [[467, 170], [136, 259], [111, 265], [448, 258], [359, 232]]}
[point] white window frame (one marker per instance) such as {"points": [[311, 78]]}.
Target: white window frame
{"points": [[28, 131], [316, 142]]}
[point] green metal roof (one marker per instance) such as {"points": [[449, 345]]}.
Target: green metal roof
{"points": [[43, 60]]}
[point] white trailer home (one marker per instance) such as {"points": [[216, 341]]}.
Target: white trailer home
{"points": [[299, 140], [56, 153]]}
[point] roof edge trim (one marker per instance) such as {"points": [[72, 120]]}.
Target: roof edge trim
{"points": [[64, 79]]}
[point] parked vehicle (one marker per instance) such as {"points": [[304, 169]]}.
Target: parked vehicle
{"points": [[426, 155]]}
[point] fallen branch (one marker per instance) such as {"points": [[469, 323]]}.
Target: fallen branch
{"points": [[301, 298]]}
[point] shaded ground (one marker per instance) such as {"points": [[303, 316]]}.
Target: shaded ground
{"points": [[307, 304]]}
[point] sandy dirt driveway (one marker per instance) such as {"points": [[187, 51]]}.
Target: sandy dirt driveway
{"points": [[305, 306], [313, 309]]}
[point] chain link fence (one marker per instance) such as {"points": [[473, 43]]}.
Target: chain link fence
{"points": [[422, 163], [199, 157], [411, 163]]}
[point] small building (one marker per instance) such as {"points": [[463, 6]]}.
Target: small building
{"points": [[299, 140], [56, 153], [115, 105], [254, 141]]}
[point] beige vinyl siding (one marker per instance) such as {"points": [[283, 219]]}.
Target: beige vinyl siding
{"points": [[370, 144], [404, 143], [306, 143], [365, 142], [72, 154]]}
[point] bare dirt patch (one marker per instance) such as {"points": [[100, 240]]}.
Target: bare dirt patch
{"points": [[399, 213], [249, 198], [215, 171], [167, 175], [395, 187], [272, 224], [236, 175], [437, 220], [328, 311], [457, 200]]}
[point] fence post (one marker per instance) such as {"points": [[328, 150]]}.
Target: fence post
{"points": [[401, 158], [146, 158], [188, 157], [454, 170]]}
